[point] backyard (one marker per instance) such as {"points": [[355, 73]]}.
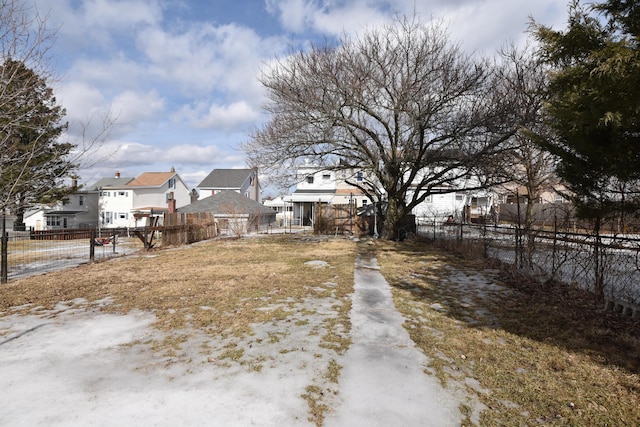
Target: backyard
{"points": [[264, 322]]}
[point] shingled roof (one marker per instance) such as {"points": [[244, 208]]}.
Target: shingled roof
{"points": [[151, 179], [226, 178], [228, 202], [109, 182]]}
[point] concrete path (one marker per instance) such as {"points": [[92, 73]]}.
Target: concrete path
{"points": [[382, 382]]}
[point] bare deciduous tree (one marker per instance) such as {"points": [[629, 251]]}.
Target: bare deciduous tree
{"points": [[35, 156], [527, 165], [27, 108], [402, 103]]}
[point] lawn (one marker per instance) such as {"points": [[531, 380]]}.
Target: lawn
{"points": [[534, 354], [531, 354]]}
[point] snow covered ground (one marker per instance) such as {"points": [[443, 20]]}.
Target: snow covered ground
{"points": [[77, 365]]}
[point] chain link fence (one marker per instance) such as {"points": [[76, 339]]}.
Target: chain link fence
{"points": [[607, 265], [29, 253]]}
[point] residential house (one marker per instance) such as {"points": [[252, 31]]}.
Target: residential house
{"points": [[78, 209], [243, 181], [284, 209], [460, 200], [234, 213], [131, 202], [317, 184]]}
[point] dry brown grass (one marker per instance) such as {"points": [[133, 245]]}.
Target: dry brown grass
{"points": [[533, 354], [220, 288], [232, 278]]}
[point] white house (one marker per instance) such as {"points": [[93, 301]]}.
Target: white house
{"points": [[284, 209], [127, 202], [456, 201], [317, 184]]}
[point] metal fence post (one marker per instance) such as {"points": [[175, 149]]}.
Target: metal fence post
{"points": [[92, 245], [4, 273]]}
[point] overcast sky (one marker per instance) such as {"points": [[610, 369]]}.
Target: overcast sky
{"points": [[180, 76]]}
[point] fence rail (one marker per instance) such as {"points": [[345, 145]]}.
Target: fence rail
{"points": [[184, 228], [606, 264], [33, 252], [28, 253]]}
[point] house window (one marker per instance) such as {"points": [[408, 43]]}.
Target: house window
{"points": [[169, 196], [364, 202], [172, 183], [326, 177], [123, 193], [310, 179], [81, 200], [459, 197], [359, 176], [106, 217], [123, 215], [429, 199], [53, 221]]}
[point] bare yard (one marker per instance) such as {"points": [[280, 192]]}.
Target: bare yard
{"points": [[254, 331]]}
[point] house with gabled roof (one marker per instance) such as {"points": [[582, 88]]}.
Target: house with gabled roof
{"points": [[324, 185], [233, 212], [243, 181], [130, 202], [78, 210]]}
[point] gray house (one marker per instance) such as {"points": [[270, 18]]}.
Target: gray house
{"points": [[234, 213], [242, 181]]}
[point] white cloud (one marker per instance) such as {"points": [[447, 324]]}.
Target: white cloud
{"points": [[192, 162], [80, 99], [131, 107], [207, 58], [293, 14], [479, 25], [227, 118], [99, 22], [109, 73]]}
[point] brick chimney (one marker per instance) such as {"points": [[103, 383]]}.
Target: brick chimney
{"points": [[193, 196], [171, 205]]}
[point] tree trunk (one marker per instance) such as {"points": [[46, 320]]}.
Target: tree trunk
{"points": [[392, 220]]}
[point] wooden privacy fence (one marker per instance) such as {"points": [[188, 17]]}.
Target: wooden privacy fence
{"points": [[65, 234], [338, 219], [184, 228]]}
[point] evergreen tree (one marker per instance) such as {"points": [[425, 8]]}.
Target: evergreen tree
{"points": [[594, 106], [33, 162]]}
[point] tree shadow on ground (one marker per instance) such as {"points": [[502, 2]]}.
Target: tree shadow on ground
{"points": [[550, 312]]}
